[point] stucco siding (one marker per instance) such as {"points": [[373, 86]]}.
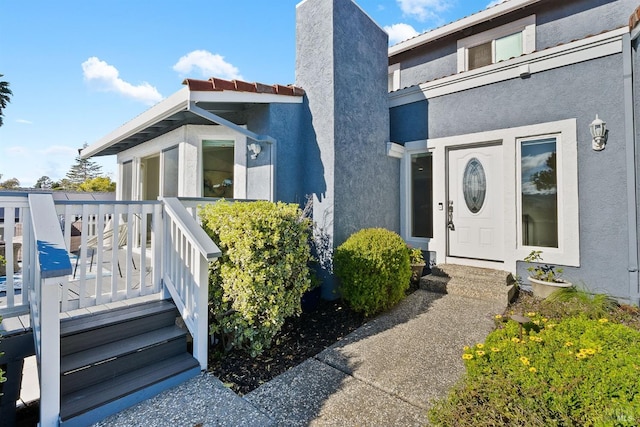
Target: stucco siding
{"points": [[409, 122], [560, 22], [366, 179], [555, 95], [556, 23]]}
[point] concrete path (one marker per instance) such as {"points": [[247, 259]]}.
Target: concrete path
{"points": [[385, 373]]}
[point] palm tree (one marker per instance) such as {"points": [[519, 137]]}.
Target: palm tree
{"points": [[4, 96]]}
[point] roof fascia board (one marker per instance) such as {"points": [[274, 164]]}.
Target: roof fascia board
{"points": [[571, 53], [163, 109], [469, 21], [243, 97]]}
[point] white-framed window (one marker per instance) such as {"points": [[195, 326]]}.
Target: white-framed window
{"points": [[170, 171], [222, 158], [498, 44], [538, 191], [394, 77]]}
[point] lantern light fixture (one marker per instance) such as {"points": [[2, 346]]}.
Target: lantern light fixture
{"points": [[599, 132]]}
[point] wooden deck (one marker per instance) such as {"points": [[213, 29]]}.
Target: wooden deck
{"points": [[94, 278]]}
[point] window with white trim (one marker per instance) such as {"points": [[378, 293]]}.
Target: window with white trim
{"points": [[498, 44], [539, 191], [394, 77], [421, 195]]}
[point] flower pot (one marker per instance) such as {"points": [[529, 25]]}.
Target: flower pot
{"points": [[416, 271], [542, 289]]}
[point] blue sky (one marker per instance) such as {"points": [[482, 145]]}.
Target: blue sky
{"points": [[79, 69]]}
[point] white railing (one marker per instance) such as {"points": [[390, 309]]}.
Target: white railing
{"points": [[114, 248], [82, 254], [187, 253], [50, 259], [15, 234]]}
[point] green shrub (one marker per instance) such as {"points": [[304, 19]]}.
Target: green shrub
{"points": [[374, 270], [578, 371], [262, 273]]}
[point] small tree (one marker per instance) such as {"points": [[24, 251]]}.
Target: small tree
{"points": [[100, 183], [10, 183], [82, 170], [44, 182], [5, 97]]}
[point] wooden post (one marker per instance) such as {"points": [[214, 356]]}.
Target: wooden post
{"points": [[54, 266]]}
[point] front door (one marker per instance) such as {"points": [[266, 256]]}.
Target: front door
{"points": [[475, 206]]}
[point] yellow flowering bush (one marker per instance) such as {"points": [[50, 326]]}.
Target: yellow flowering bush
{"points": [[577, 371]]}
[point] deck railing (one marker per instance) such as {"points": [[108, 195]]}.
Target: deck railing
{"points": [[187, 253], [76, 255]]}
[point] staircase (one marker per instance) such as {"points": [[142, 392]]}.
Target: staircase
{"points": [[473, 282], [114, 359]]}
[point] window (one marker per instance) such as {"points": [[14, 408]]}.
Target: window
{"points": [[539, 192], [498, 44], [394, 77], [217, 168], [421, 195], [127, 180], [170, 169]]}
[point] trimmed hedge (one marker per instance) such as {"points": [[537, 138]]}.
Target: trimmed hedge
{"points": [[259, 279], [374, 270]]}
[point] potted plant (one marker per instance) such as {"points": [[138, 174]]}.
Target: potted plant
{"points": [[545, 279], [417, 263]]}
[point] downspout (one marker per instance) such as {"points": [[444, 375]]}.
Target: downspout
{"points": [[629, 132], [214, 118]]}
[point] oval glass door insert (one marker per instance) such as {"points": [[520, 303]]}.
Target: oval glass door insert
{"points": [[474, 185]]}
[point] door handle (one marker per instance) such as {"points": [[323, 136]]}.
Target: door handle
{"points": [[450, 224]]}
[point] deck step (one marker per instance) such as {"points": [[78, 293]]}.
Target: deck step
{"points": [[114, 359], [93, 397], [92, 330], [473, 282], [97, 364]]}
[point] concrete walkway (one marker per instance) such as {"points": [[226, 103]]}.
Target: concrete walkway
{"points": [[385, 373]]}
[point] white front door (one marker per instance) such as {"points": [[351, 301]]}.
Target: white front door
{"points": [[476, 199]]}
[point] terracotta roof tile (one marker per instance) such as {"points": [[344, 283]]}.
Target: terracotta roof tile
{"points": [[216, 84], [634, 18]]}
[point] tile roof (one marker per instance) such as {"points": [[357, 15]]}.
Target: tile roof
{"points": [[634, 19], [215, 84]]}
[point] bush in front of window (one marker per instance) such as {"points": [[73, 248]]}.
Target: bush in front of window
{"points": [[260, 278], [373, 268]]}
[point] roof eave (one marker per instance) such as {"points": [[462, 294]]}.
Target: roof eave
{"points": [[469, 21], [163, 109]]}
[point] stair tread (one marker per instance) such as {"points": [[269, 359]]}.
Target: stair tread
{"points": [[81, 401], [118, 348], [110, 317]]}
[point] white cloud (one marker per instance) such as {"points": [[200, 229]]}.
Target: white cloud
{"points": [[495, 2], [424, 10], [400, 32], [16, 151], [60, 150], [24, 122], [208, 65], [106, 77]]}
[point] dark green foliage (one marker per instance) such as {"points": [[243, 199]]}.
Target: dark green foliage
{"points": [[259, 279], [374, 270]]}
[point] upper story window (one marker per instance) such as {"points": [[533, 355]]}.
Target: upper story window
{"points": [[394, 77], [498, 44]]}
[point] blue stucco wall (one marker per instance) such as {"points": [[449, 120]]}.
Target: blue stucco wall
{"points": [[549, 96], [556, 22], [342, 65]]}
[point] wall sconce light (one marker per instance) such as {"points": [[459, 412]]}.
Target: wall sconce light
{"points": [[255, 150], [599, 133]]}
